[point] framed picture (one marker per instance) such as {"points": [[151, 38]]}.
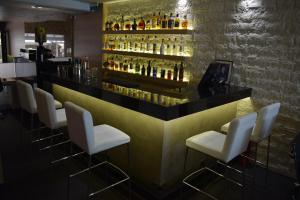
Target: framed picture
{"points": [[225, 69], [217, 73]]}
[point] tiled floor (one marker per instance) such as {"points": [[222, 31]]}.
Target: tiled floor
{"points": [[29, 176]]}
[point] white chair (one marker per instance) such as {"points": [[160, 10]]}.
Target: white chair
{"points": [[93, 139], [28, 102], [263, 128], [52, 118], [223, 148]]}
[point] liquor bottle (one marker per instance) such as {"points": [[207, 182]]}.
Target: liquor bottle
{"points": [[131, 70], [168, 47], [171, 21], [137, 68], [158, 24], [134, 25], [143, 71], [154, 45], [121, 64], [116, 26], [125, 43], [122, 24], [131, 44], [154, 73], [107, 26], [175, 73], [162, 73], [110, 26], [149, 69], [154, 21], [164, 22], [125, 66], [105, 65], [112, 64], [136, 46], [142, 24], [127, 25], [181, 47], [142, 46], [175, 52], [117, 43], [121, 44], [148, 25], [148, 44], [169, 74], [177, 22], [184, 23], [181, 72], [162, 47]]}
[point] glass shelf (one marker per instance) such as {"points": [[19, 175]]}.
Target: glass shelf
{"points": [[159, 31]]}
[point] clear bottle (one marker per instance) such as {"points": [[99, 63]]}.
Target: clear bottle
{"points": [[142, 46], [148, 44], [162, 47], [158, 24], [131, 69], [154, 21], [184, 23], [131, 44], [137, 68], [174, 49], [148, 25], [169, 49], [125, 66], [181, 72], [122, 24], [154, 46], [177, 22], [181, 47], [125, 43], [171, 21]]}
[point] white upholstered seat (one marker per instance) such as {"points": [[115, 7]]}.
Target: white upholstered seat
{"points": [[92, 139]]}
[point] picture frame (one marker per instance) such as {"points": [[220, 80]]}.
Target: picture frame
{"points": [[227, 64]]}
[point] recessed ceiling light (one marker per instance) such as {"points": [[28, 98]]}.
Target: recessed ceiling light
{"points": [[38, 7]]}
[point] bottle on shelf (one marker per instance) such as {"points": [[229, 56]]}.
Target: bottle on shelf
{"points": [[105, 65], [169, 49], [125, 66], [171, 21], [131, 44], [117, 43], [116, 67], [107, 26], [181, 47], [169, 74], [162, 73], [131, 70], [154, 21], [121, 64], [164, 22], [184, 23], [175, 73], [136, 46], [148, 44], [154, 46], [110, 26], [158, 20], [125, 43], [137, 67], [143, 72], [112, 64], [149, 69], [122, 24], [134, 25], [148, 25], [162, 47], [116, 26], [177, 22], [127, 25], [181, 72], [175, 52], [142, 46], [141, 25], [154, 73]]}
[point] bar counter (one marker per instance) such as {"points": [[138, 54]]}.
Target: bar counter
{"points": [[157, 123]]}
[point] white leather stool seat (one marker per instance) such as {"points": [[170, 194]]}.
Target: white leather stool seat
{"points": [[57, 104], [107, 137], [210, 143], [61, 118], [225, 127]]}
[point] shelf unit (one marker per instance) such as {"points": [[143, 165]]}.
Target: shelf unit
{"points": [[147, 55], [149, 32]]}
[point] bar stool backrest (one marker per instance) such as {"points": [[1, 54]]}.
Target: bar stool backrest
{"points": [[46, 108], [80, 126], [238, 136], [265, 121], [26, 97]]}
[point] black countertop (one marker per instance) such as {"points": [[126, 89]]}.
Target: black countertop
{"points": [[156, 104]]}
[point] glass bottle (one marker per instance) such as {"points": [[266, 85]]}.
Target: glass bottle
{"points": [[175, 47], [154, 73], [175, 73], [169, 74], [141, 25], [121, 64], [164, 22], [112, 64], [162, 47], [154, 45], [131, 44], [169, 47], [148, 25], [122, 24], [142, 46], [125, 43], [127, 25], [143, 73], [177, 22], [149, 68], [171, 21], [131, 70], [116, 26], [181, 72], [125, 66], [148, 44], [162, 73], [184, 23], [181, 47], [158, 24], [154, 21], [137, 67], [134, 25]]}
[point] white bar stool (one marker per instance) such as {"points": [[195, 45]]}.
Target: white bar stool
{"points": [[223, 148], [49, 116], [93, 139], [28, 102], [262, 130]]}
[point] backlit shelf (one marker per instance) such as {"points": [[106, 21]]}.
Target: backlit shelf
{"points": [[159, 31]]}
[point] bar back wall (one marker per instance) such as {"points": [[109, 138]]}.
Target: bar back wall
{"points": [[262, 37]]}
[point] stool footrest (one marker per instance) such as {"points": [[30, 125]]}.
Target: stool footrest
{"points": [[46, 138]]}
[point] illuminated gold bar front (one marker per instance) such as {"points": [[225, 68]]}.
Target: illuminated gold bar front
{"points": [[157, 146]]}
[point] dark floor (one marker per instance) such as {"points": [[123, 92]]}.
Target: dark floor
{"points": [[29, 176]]}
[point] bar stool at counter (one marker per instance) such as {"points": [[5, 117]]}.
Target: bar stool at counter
{"points": [[93, 139], [263, 128], [28, 101], [49, 116], [223, 148]]}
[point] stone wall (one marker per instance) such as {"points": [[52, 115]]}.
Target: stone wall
{"points": [[262, 37]]}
